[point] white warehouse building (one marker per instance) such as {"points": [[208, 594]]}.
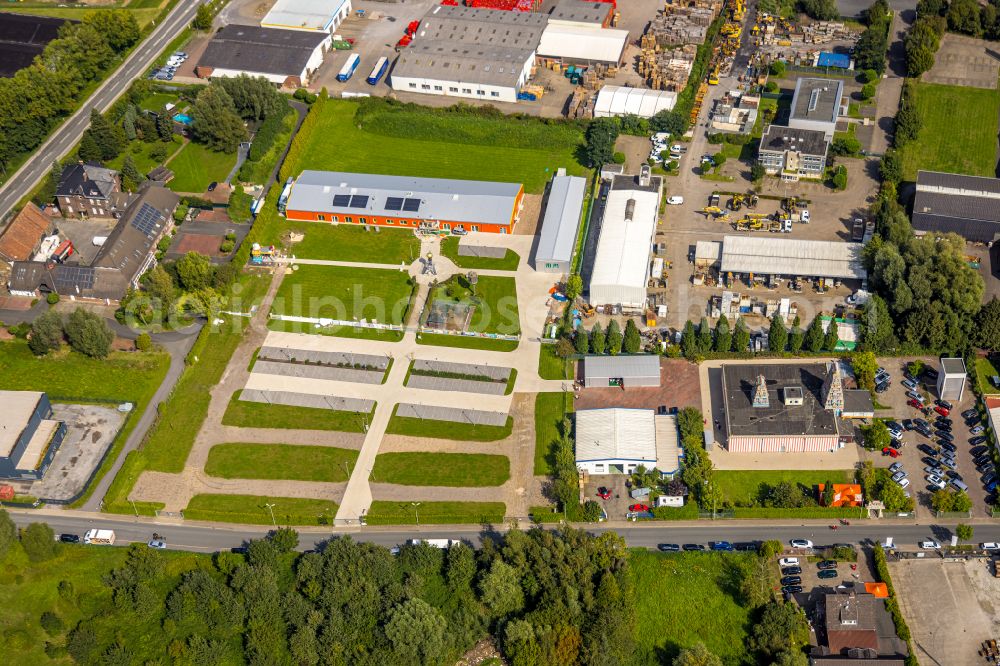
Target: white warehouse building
{"points": [[618, 441], [309, 15], [561, 223], [621, 265], [621, 101]]}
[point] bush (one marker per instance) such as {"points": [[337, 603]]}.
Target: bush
{"points": [[868, 91], [619, 158], [51, 623], [869, 76], [52, 298], [227, 246], [89, 334], [777, 68], [144, 343], [757, 171], [771, 87]]}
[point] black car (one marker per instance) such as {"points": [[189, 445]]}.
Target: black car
{"points": [[827, 564], [791, 589], [791, 571], [922, 423], [668, 548], [947, 445], [926, 448], [212, 186], [692, 546], [791, 580], [69, 538], [941, 425], [926, 432], [944, 403], [931, 374], [746, 546], [882, 388], [943, 434], [979, 450], [951, 474], [908, 424], [929, 460], [976, 441], [988, 478], [985, 468], [970, 413], [982, 458]]}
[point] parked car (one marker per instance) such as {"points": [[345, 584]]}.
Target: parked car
{"points": [[947, 445], [668, 548], [908, 424], [791, 580], [675, 200], [910, 384], [827, 564], [881, 387], [978, 430], [970, 413], [947, 436], [721, 545], [934, 470], [692, 547], [928, 449], [936, 481], [639, 508], [801, 543], [976, 441], [914, 403], [915, 396], [941, 425], [990, 545], [930, 373], [892, 453], [791, 589], [943, 411], [930, 545], [895, 467], [904, 483], [827, 574], [158, 544], [944, 404], [212, 186], [898, 476], [988, 478], [604, 493], [746, 546], [791, 571], [789, 562], [69, 538]]}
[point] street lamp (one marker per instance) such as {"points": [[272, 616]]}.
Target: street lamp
{"points": [[416, 512], [270, 508], [347, 468]]}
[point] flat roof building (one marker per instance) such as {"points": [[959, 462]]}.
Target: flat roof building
{"points": [[793, 152], [405, 201], [785, 407], [621, 266], [560, 224], [468, 52], [312, 15], [29, 436], [623, 371], [620, 101], [618, 441], [579, 44], [816, 105], [766, 255], [949, 202], [283, 57], [594, 15], [951, 379]]}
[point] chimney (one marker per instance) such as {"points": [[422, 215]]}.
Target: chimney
{"points": [[644, 175]]}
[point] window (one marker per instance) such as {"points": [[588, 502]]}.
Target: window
{"points": [[438, 88], [474, 227], [425, 86], [598, 467], [334, 218], [321, 217], [467, 91], [494, 93], [452, 89], [348, 219], [362, 220], [480, 92], [413, 85]]}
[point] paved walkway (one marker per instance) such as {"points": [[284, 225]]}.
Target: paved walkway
{"points": [[355, 497], [891, 86]]}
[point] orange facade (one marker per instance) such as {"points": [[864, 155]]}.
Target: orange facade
{"points": [[410, 223]]}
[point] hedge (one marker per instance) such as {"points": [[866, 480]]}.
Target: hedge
{"points": [[892, 604]]}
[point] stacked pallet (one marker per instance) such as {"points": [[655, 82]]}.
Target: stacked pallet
{"points": [[683, 25], [667, 69]]}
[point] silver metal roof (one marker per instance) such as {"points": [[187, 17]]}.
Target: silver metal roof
{"points": [[616, 434], [468, 201], [767, 255], [642, 365], [562, 219], [817, 99]]}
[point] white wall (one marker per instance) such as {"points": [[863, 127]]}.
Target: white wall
{"points": [[604, 466], [276, 79], [453, 89]]}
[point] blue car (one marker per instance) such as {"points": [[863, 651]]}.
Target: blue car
{"points": [[720, 545]]}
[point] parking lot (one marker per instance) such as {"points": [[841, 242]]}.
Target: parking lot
{"points": [[913, 459], [950, 607]]}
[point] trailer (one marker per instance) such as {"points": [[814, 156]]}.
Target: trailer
{"points": [[347, 71], [378, 70], [443, 544], [100, 537]]}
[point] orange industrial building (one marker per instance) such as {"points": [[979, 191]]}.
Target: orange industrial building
{"points": [[427, 204]]}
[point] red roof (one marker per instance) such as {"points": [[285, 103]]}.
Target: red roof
{"points": [[23, 234]]}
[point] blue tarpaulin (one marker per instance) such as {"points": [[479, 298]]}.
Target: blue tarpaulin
{"points": [[827, 59]]}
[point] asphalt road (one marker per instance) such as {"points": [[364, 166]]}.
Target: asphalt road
{"points": [[64, 137], [855, 7], [204, 537]]}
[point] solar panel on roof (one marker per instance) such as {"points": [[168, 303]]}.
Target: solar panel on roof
{"points": [[411, 205], [359, 201], [342, 200], [69, 277], [394, 203], [146, 220]]}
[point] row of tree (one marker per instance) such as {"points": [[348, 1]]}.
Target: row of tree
{"points": [[610, 341], [38, 97], [924, 37], [86, 332], [702, 340], [870, 50], [221, 110], [602, 133], [968, 17]]}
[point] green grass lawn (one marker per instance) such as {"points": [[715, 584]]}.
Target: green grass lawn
{"points": [[449, 248], [352, 243], [959, 131], [345, 293], [156, 101], [68, 376], [744, 485], [280, 461], [463, 432], [483, 149], [252, 510], [441, 469], [551, 366], [289, 417], [984, 370], [687, 598], [495, 304], [549, 411], [195, 166], [486, 344], [435, 513], [143, 15], [139, 150]]}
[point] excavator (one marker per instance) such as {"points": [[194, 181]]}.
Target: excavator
{"points": [[715, 211]]}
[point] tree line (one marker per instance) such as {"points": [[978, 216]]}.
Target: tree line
{"points": [[701, 340], [38, 97]]}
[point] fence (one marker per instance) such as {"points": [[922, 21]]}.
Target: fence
{"points": [[321, 321]]}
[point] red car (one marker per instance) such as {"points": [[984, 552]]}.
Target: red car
{"points": [[892, 453], [639, 508], [915, 404], [941, 410], [603, 493]]}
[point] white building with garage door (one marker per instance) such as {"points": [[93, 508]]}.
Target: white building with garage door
{"points": [[619, 441], [621, 101], [561, 223], [311, 15], [623, 371]]}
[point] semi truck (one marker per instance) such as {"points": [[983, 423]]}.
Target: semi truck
{"points": [[100, 537]]}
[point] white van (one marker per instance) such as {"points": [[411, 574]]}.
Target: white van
{"points": [[100, 537]]}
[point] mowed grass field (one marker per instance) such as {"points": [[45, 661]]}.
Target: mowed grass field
{"points": [[343, 242], [441, 469], [241, 460], [495, 304], [481, 149], [196, 166], [253, 510], [959, 131], [435, 513], [744, 485], [687, 598], [345, 293]]}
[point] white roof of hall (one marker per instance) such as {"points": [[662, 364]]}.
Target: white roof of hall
{"points": [[303, 14], [773, 256], [473, 201], [579, 42], [615, 434]]}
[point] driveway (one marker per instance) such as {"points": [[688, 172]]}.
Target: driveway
{"points": [[889, 90]]}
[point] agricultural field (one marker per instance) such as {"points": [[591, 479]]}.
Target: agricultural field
{"points": [[453, 145], [196, 166], [353, 243], [476, 470], [280, 461], [959, 131]]}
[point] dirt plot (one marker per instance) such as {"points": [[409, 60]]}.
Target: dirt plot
{"points": [[679, 387], [950, 607], [964, 61]]}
